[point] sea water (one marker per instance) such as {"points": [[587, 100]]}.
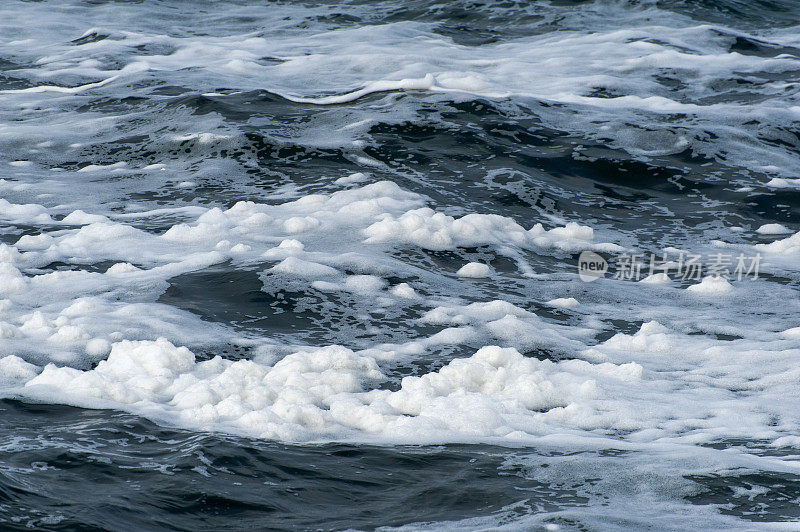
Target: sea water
{"points": [[427, 265]]}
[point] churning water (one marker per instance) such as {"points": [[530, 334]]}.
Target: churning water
{"points": [[430, 265]]}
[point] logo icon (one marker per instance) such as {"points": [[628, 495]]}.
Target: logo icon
{"points": [[591, 266]]}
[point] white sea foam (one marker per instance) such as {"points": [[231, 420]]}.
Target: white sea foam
{"points": [[564, 302], [340, 65], [313, 239], [773, 229], [786, 246], [712, 286], [518, 398], [475, 270], [321, 394]]}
